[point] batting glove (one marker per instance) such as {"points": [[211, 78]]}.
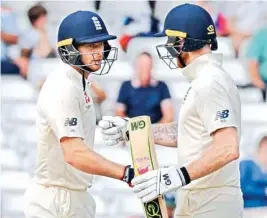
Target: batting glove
{"points": [[113, 129], [152, 184]]}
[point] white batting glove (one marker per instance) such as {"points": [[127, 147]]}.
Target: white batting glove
{"points": [[113, 129], [154, 183]]}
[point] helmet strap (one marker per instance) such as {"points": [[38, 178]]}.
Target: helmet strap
{"points": [[181, 60]]}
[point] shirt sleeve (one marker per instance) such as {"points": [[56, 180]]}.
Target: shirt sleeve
{"points": [[29, 39], [165, 91], [65, 115], [215, 109]]}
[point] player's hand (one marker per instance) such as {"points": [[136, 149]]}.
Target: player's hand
{"points": [[258, 83], [128, 175], [113, 129], [154, 183]]}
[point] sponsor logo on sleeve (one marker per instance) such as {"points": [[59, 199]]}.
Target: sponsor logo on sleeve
{"points": [[222, 115], [70, 121]]}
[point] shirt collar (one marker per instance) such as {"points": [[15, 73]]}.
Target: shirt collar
{"points": [[75, 76], [192, 69], [136, 83]]}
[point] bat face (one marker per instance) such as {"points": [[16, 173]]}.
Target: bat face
{"points": [[144, 159], [142, 170], [140, 141]]}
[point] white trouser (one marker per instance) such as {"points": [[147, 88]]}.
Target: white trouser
{"points": [[224, 202], [57, 202]]}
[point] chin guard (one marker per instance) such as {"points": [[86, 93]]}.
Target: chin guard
{"points": [[70, 55]]}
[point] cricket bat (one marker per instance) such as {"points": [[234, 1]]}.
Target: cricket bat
{"points": [[144, 159]]}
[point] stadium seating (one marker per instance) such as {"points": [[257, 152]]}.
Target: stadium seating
{"points": [[16, 89], [13, 203], [23, 112], [250, 95], [9, 180], [225, 47], [9, 159], [237, 69], [254, 121], [254, 113], [40, 68]]}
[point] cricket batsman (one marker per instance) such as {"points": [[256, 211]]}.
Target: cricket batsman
{"points": [[207, 174], [66, 124]]}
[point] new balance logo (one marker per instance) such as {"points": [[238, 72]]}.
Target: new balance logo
{"points": [[97, 23], [70, 122], [222, 115]]}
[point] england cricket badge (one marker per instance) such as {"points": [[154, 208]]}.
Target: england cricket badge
{"points": [[87, 100]]}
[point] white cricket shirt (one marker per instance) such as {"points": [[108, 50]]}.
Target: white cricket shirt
{"points": [[212, 102], [63, 110]]}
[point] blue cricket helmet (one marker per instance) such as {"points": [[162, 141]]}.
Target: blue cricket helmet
{"points": [[83, 27], [188, 27]]}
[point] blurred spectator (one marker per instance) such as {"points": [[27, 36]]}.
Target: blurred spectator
{"points": [[36, 43], [139, 25], [10, 36], [254, 176], [145, 95], [245, 19], [257, 55], [217, 15], [170, 203]]}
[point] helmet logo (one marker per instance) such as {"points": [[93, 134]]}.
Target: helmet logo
{"points": [[97, 23], [210, 29]]}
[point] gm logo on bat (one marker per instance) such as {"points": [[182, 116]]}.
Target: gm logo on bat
{"points": [[138, 125]]}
